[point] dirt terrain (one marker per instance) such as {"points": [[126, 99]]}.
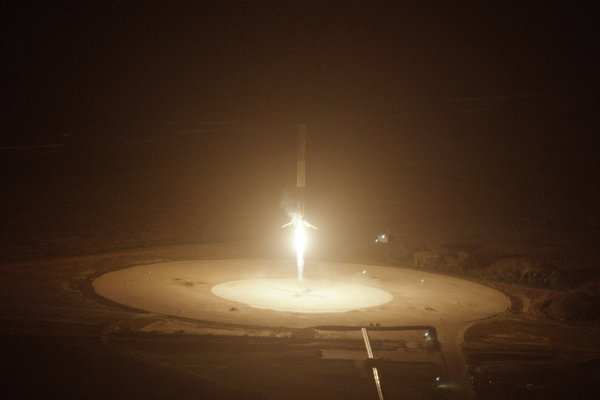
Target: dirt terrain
{"points": [[505, 209], [61, 338]]}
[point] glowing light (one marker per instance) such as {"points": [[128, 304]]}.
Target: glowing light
{"points": [[300, 244], [382, 238], [300, 225]]}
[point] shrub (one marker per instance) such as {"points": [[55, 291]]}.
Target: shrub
{"points": [[519, 270]]}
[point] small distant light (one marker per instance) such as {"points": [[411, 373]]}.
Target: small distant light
{"points": [[364, 271], [382, 238], [437, 379], [422, 280]]}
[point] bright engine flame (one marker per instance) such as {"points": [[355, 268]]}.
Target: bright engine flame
{"points": [[300, 245], [300, 241]]}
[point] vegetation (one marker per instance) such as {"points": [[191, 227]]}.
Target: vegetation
{"points": [[574, 296]]}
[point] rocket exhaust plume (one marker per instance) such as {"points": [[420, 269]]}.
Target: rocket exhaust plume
{"points": [[300, 225], [298, 221]]}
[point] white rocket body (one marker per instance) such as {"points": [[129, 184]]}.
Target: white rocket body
{"points": [[301, 168]]}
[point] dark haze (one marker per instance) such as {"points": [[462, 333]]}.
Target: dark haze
{"points": [[138, 123]]}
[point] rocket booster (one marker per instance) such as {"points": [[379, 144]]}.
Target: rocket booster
{"points": [[301, 167], [298, 218], [301, 171]]}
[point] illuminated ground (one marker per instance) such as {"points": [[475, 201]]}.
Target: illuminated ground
{"points": [[301, 296], [264, 293], [258, 293], [56, 330]]}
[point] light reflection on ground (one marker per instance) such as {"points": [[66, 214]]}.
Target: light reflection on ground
{"points": [[304, 296]]}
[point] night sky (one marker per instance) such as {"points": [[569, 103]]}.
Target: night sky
{"points": [[178, 121], [89, 69]]}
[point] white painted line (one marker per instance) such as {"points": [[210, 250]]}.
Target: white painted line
{"points": [[370, 355], [367, 342], [377, 383]]}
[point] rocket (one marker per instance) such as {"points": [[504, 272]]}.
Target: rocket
{"points": [[298, 217], [301, 168], [297, 220]]}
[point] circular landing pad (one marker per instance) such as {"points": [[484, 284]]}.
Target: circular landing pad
{"points": [[266, 293], [302, 296]]}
